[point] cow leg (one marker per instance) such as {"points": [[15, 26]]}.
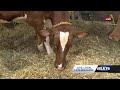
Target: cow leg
{"points": [[40, 45], [47, 46], [115, 35], [48, 25], [45, 39]]}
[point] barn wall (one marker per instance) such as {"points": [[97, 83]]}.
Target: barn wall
{"points": [[93, 15]]}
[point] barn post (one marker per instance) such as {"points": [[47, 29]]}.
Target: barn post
{"points": [[79, 16]]}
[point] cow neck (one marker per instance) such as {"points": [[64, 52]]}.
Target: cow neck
{"points": [[61, 17]]}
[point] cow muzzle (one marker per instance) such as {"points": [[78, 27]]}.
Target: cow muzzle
{"points": [[61, 66]]}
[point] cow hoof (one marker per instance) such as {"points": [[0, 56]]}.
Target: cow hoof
{"points": [[40, 48], [51, 52], [114, 38], [110, 37]]}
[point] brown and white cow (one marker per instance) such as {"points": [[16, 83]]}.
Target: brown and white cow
{"points": [[49, 24], [10, 15], [7, 17], [62, 31], [115, 35]]}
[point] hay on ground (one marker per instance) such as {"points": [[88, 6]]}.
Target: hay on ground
{"points": [[19, 57]]}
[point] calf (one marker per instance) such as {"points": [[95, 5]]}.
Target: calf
{"points": [[57, 25], [115, 35], [62, 32], [10, 15], [7, 17]]}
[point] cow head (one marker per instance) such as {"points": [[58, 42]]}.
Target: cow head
{"points": [[63, 35], [63, 39]]}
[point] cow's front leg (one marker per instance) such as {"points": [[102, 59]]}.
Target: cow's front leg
{"points": [[45, 35], [47, 45], [40, 45]]}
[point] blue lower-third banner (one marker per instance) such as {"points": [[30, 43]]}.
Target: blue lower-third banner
{"points": [[96, 68]]}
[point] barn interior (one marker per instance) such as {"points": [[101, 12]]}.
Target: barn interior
{"points": [[20, 58]]}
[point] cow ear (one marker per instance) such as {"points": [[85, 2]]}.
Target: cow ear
{"points": [[80, 35], [44, 33]]}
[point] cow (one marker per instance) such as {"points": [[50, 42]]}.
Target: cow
{"points": [[7, 17], [102, 15], [49, 26], [10, 15], [61, 31], [115, 34]]}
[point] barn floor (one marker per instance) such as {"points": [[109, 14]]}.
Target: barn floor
{"points": [[20, 58]]}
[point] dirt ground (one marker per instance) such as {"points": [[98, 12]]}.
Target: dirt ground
{"points": [[20, 58]]}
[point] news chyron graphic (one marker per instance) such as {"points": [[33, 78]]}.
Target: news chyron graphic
{"points": [[84, 68], [96, 68]]}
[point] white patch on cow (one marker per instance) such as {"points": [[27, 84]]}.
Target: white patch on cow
{"points": [[21, 18], [63, 39], [60, 66], [40, 47], [44, 20], [25, 16], [47, 45]]}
